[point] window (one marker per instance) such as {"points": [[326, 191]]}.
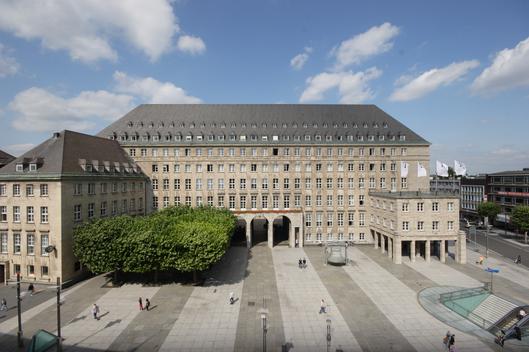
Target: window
{"points": [[3, 213], [435, 206], [30, 215], [420, 206], [44, 242], [3, 190], [78, 189], [16, 243], [115, 206], [362, 219], [340, 219], [435, 225], [361, 236], [43, 215], [308, 220], [351, 218], [404, 182], [16, 190], [91, 207], [31, 243], [405, 207], [16, 213], [420, 225], [29, 190], [450, 206], [405, 226], [450, 225], [103, 210], [44, 270], [3, 242], [77, 212]]}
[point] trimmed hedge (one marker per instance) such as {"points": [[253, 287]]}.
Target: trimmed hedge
{"points": [[176, 238]]}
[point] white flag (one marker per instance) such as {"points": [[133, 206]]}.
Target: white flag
{"points": [[460, 168], [441, 169], [404, 166], [421, 170]]}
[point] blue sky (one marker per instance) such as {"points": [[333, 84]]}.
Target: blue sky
{"points": [[455, 72]]}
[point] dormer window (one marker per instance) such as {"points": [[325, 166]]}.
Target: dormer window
{"points": [[264, 138], [328, 138], [89, 168], [203, 125], [178, 137], [19, 167], [253, 137], [335, 125], [263, 125], [344, 125], [130, 124], [160, 124], [171, 125], [223, 125], [305, 125], [233, 125], [318, 137], [182, 125], [32, 167], [213, 125], [220, 137], [360, 138], [243, 125], [254, 125], [381, 137], [315, 125], [325, 125], [307, 137], [211, 138], [167, 137], [200, 137], [192, 125], [275, 138], [402, 138], [350, 138], [233, 137], [375, 125], [385, 125], [284, 125], [151, 125], [371, 138], [286, 137], [189, 138], [355, 125], [295, 125], [392, 138], [242, 137], [365, 125], [155, 138]]}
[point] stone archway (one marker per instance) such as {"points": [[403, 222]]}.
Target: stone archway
{"points": [[239, 235], [259, 230], [281, 231]]}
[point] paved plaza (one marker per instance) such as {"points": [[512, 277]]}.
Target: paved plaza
{"points": [[371, 305]]}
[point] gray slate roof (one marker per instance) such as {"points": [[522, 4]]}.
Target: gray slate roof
{"points": [[5, 158], [61, 154], [337, 121]]}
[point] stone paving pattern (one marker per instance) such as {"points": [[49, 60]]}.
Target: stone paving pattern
{"points": [[372, 304]]}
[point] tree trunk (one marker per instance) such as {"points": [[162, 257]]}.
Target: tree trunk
{"points": [[525, 237]]}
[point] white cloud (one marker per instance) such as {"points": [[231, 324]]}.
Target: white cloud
{"points": [[8, 64], [191, 45], [299, 60], [152, 90], [362, 46], [18, 149], [431, 80], [510, 69], [352, 87], [85, 27], [36, 109]]}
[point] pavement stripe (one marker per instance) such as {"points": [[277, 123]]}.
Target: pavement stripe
{"points": [[208, 322], [399, 303], [118, 307], [260, 289], [443, 274], [373, 331], [300, 292], [148, 330]]}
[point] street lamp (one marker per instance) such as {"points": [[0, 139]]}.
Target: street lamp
{"points": [[329, 335], [19, 313], [265, 328]]}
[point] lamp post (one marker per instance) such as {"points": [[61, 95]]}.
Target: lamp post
{"points": [[487, 237], [492, 271], [59, 338], [265, 328], [19, 312], [329, 335]]}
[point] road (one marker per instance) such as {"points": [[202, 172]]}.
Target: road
{"points": [[501, 246]]}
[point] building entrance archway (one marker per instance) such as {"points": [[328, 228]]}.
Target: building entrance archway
{"points": [[259, 230], [281, 231], [239, 235]]}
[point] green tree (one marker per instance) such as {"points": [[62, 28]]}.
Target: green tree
{"points": [[520, 219], [489, 211], [177, 238], [451, 172]]}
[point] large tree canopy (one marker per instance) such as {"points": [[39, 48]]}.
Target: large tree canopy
{"points": [[489, 210], [520, 218], [177, 238]]}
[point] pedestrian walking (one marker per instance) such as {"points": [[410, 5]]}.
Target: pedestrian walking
{"points": [[31, 289], [322, 306], [304, 263], [3, 305], [300, 263], [147, 304], [95, 311], [452, 343], [232, 298], [141, 303], [518, 259], [446, 339]]}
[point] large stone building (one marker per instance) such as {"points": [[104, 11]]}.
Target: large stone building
{"points": [[297, 173], [5, 158], [508, 189], [472, 195], [68, 179]]}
